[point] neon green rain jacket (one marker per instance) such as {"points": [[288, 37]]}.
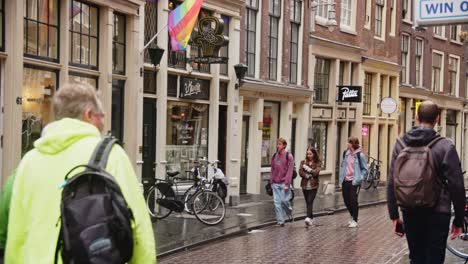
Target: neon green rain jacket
{"points": [[35, 203]]}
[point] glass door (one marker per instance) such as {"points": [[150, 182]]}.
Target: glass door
{"points": [[149, 143]]}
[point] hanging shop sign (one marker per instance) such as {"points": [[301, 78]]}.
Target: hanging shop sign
{"points": [[194, 89], [388, 105], [349, 93], [209, 38], [440, 12]]}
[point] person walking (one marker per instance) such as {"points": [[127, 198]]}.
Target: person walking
{"points": [[309, 170], [426, 215], [353, 169], [34, 213], [282, 164]]}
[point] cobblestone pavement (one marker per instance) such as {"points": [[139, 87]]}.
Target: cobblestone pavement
{"points": [[330, 241]]}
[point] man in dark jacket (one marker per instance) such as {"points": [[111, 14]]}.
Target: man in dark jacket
{"points": [[427, 228]]}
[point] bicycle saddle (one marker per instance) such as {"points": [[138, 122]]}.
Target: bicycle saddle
{"points": [[172, 173]]}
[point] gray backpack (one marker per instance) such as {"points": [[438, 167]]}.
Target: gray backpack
{"points": [[416, 182]]}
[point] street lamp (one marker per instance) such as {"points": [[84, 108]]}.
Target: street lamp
{"points": [[240, 69], [155, 55], [331, 22]]}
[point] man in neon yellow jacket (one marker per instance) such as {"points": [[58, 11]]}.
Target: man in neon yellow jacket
{"points": [[34, 224]]}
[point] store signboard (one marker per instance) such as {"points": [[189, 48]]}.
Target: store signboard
{"points": [[349, 93], [194, 89], [440, 12], [209, 38]]}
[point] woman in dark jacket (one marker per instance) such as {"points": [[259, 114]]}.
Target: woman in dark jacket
{"points": [[309, 171]]}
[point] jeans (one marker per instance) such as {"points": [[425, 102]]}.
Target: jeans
{"points": [[350, 197], [309, 196], [426, 233], [281, 202]]}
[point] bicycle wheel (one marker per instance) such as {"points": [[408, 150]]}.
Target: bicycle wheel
{"points": [[208, 207], [152, 202], [376, 179], [188, 199], [368, 180]]}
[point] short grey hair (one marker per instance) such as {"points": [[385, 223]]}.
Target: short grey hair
{"points": [[72, 99]]}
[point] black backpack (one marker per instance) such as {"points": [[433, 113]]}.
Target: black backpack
{"points": [[294, 175], [95, 219]]}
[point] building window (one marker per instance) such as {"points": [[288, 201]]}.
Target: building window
{"points": [[118, 44], [118, 102], [84, 35], [224, 51], [367, 94], [393, 17], [346, 13], [187, 134], [453, 75], [439, 31], [379, 13], [223, 91], [176, 59], [419, 61], [172, 85], [275, 15], [319, 140], [294, 43], [404, 59], [341, 73], [402, 116], [437, 75], [322, 9], [251, 32], [455, 33], [151, 25], [39, 86], [322, 80], [83, 78], [149, 82], [451, 125], [406, 10], [270, 131], [2, 25], [41, 29], [381, 91]]}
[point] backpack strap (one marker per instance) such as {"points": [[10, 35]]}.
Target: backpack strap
{"points": [[434, 141], [101, 153], [401, 142]]}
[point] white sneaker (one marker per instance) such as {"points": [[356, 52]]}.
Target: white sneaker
{"points": [[308, 221], [350, 221], [353, 224]]}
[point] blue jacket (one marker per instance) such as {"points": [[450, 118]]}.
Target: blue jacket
{"points": [[359, 173]]}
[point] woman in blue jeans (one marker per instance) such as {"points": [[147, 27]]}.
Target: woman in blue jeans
{"points": [[282, 164]]}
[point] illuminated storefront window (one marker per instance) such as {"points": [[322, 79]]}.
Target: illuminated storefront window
{"points": [[270, 131]]}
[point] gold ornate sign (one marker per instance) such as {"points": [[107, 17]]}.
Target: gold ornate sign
{"points": [[209, 38]]}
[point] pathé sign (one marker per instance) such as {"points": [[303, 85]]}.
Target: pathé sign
{"points": [[440, 12]]}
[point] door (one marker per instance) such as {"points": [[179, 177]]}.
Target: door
{"points": [[244, 154], [149, 143], [222, 122], [293, 137]]}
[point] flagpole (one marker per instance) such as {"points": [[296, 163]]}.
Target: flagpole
{"points": [[154, 37]]}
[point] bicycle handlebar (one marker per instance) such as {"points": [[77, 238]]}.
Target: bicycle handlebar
{"points": [[374, 159]]}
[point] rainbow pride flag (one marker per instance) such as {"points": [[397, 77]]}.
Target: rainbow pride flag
{"points": [[181, 23]]}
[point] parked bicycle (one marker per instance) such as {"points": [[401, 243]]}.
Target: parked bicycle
{"points": [[199, 199], [459, 247], [373, 176]]}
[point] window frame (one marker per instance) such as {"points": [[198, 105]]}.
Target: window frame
{"points": [[419, 61], [439, 87], [151, 27], [251, 12], [120, 84], [405, 58], [277, 128], [326, 82], [274, 16], [2, 28], [322, 12], [72, 32], [367, 94], [440, 36], [379, 22], [348, 9], [404, 18], [323, 157], [224, 68], [124, 44], [456, 85], [84, 75], [38, 23], [295, 21]]}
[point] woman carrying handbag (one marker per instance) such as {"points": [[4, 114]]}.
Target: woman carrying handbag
{"points": [[309, 171]]}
